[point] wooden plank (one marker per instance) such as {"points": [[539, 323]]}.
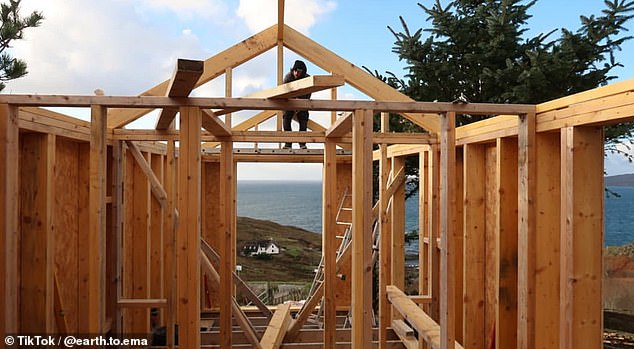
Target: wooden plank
{"points": [[137, 244], [447, 229], [434, 228], [241, 286], [490, 245], [506, 236], [329, 242], [142, 303], [474, 239], [183, 81], [527, 234], [341, 127], [37, 163], [169, 264], [599, 92], [398, 228], [385, 251], [228, 93], [214, 67], [241, 318], [117, 229], [427, 328], [9, 204], [358, 78], [226, 232], [582, 231], [211, 123], [459, 245], [188, 237], [97, 222], [155, 184], [293, 89], [275, 331], [396, 184], [142, 102], [405, 333], [362, 229], [547, 228], [157, 209]]}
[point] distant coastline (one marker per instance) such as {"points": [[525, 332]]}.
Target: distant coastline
{"points": [[624, 180]]}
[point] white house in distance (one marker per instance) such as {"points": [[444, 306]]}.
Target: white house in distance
{"points": [[260, 247]]}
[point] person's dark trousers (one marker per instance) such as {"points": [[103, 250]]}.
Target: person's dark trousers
{"points": [[302, 118], [286, 123]]}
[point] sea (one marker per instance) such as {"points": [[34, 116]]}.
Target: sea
{"points": [[298, 203]]}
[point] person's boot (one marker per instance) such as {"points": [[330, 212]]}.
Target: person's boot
{"points": [[302, 146], [288, 146]]}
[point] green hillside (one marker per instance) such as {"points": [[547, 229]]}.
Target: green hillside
{"points": [[300, 251]]}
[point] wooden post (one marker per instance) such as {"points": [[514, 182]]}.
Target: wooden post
{"points": [[581, 237], [506, 236], [37, 240], [398, 231], [362, 229], [329, 241], [227, 197], [527, 239], [188, 237], [156, 244], [474, 238], [434, 228], [170, 243], [9, 174], [447, 231], [117, 227], [459, 245], [385, 250], [547, 228], [97, 221]]}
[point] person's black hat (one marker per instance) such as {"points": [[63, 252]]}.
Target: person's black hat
{"points": [[299, 65]]}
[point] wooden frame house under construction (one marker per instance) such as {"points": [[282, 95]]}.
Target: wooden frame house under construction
{"points": [[101, 223]]}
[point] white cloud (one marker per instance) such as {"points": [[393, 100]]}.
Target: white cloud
{"points": [[299, 14], [186, 9], [82, 45]]}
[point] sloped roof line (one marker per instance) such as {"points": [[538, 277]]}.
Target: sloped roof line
{"points": [[214, 66]]}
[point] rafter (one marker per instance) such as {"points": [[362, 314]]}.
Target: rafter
{"points": [[356, 77], [213, 67]]}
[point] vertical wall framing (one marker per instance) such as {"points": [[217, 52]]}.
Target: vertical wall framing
{"points": [[9, 218], [188, 237], [547, 236], [36, 231], [362, 229], [329, 242], [527, 240], [385, 274], [227, 195], [97, 222], [170, 243], [581, 321], [506, 243], [447, 231], [474, 245]]}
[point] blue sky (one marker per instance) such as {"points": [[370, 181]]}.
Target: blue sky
{"points": [[127, 46]]}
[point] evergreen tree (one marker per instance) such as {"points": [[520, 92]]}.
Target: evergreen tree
{"points": [[480, 50], [12, 28]]}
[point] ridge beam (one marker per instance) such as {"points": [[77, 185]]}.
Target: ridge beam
{"points": [[183, 81], [294, 89]]}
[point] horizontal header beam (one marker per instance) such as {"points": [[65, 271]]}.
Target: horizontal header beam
{"points": [[264, 104]]}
